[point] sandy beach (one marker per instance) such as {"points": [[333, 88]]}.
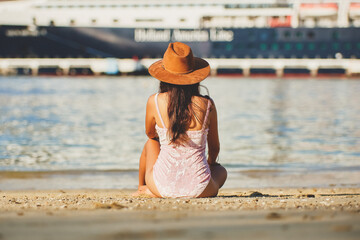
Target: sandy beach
{"points": [[271, 213]]}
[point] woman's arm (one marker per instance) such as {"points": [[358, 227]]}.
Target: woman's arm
{"points": [[150, 118], [213, 136]]}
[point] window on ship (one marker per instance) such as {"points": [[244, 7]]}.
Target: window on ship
{"points": [[358, 46], [310, 34], [229, 47], [335, 35], [348, 46], [335, 46], [263, 46], [311, 46], [264, 36], [299, 46], [275, 46], [288, 46], [287, 34]]}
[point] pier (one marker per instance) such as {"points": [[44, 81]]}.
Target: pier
{"points": [[66, 66]]}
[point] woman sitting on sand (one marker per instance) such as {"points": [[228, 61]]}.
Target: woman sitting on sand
{"points": [[179, 122]]}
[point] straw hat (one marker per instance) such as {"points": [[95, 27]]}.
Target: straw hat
{"points": [[179, 66]]}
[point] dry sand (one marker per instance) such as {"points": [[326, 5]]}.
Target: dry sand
{"points": [[288, 213]]}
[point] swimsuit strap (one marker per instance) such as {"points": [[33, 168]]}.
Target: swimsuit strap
{"points": [[207, 114], [158, 110]]}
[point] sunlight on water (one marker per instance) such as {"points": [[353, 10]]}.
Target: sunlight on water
{"points": [[98, 123]]}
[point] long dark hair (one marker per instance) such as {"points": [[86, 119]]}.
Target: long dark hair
{"points": [[180, 109]]}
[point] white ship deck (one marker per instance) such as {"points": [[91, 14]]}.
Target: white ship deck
{"points": [[99, 66], [180, 13]]}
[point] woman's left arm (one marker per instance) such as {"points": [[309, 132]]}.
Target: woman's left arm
{"points": [[150, 118], [213, 137]]}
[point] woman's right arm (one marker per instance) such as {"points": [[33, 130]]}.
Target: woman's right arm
{"points": [[150, 118], [213, 136]]}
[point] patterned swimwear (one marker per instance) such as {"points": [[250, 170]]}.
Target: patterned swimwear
{"points": [[182, 171]]}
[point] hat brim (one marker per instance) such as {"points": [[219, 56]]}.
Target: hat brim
{"points": [[200, 72]]}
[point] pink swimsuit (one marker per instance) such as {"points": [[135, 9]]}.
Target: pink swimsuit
{"points": [[182, 171]]}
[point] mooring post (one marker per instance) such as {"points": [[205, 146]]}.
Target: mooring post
{"points": [[313, 72], [279, 72], [279, 69], [34, 66], [313, 68], [213, 71], [4, 67], [34, 71], [348, 72], [246, 72]]}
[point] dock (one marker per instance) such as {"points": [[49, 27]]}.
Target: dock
{"points": [[111, 66]]}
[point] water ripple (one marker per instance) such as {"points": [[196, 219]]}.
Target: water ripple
{"points": [[75, 123]]}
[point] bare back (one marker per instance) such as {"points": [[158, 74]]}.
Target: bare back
{"points": [[199, 106]]}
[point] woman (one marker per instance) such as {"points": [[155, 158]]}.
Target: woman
{"points": [[179, 122]]}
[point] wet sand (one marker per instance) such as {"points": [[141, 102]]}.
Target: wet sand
{"points": [[271, 213]]}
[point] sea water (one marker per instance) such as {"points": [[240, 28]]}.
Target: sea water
{"points": [[89, 132]]}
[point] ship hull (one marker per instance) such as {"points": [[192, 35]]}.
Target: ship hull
{"points": [[97, 42]]}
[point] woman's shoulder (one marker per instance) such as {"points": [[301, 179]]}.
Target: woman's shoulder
{"points": [[205, 99], [151, 101], [155, 99], [152, 96]]}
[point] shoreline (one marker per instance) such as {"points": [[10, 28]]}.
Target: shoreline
{"points": [[127, 179], [274, 213]]}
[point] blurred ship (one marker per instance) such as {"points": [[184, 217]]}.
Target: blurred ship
{"points": [[227, 29]]}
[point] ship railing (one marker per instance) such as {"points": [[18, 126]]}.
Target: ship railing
{"points": [[124, 66]]}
